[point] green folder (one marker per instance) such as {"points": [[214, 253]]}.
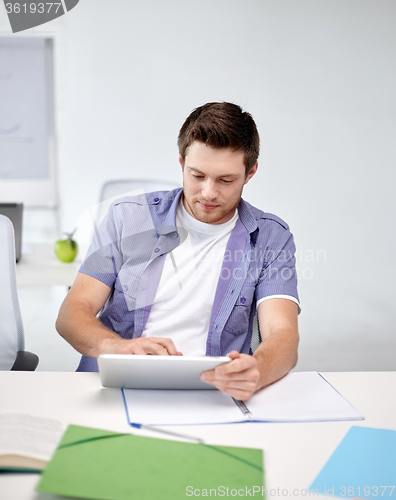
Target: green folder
{"points": [[103, 465]]}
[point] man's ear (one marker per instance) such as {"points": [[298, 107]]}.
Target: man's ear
{"points": [[181, 161], [252, 171]]}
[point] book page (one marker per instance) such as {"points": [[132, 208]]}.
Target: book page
{"points": [[27, 435], [300, 397], [178, 407]]}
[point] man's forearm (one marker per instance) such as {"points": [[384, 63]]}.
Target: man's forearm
{"points": [[276, 356], [83, 330], [78, 324]]}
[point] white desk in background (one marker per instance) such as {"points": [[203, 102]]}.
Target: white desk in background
{"points": [[39, 266], [294, 453]]}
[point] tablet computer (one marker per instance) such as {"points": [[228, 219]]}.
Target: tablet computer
{"points": [[132, 371]]}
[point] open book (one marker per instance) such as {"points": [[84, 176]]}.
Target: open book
{"points": [[27, 443], [297, 397]]}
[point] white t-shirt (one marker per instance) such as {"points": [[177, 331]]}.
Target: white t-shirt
{"points": [[183, 303]]}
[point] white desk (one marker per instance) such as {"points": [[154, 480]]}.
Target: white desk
{"points": [[293, 453], [41, 267]]}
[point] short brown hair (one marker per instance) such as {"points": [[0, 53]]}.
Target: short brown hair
{"points": [[221, 125]]}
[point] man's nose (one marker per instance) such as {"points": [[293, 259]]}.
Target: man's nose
{"points": [[209, 190]]}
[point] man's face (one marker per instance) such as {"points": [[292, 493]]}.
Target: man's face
{"points": [[213, 181]]}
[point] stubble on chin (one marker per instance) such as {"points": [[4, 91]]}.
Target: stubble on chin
{"points": [[193, 210], [190, 210]]}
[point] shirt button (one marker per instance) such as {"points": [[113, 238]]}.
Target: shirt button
{"points": [[243, 300], [176, 235], [125, 288], [156, 200], [156, 250]]}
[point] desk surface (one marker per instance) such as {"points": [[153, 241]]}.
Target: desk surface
{"points": [[294, 453], [41, 267]]}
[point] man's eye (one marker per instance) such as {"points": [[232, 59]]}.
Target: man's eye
{"points": [[198, 176], [225, 181]]}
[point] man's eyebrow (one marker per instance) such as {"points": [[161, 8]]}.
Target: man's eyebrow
{"points": [[203, 173]]}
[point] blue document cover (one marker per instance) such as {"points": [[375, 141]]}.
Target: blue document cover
{"points": [[362, 466]]}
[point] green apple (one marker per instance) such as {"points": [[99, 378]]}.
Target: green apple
{"points": [[66, 250]]}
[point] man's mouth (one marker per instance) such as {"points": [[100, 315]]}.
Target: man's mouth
{"points": [[206, 206]]}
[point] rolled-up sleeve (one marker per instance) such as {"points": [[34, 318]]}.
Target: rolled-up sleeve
{"points": [[278, 275]]}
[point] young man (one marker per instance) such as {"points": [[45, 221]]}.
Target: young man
{"points": [[184, 271]]}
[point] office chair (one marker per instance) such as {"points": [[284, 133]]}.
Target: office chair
{"points": [[118, 188], [256, 336], [12, 341], [113, 188], [110, 191]]}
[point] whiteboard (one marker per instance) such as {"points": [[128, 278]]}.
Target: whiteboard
{"points": [[27, 152]]}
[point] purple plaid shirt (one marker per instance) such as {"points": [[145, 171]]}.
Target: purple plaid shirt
{"points": [[128, 254]]}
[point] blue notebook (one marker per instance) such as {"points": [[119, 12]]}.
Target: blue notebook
{"points": [[362, 466]]}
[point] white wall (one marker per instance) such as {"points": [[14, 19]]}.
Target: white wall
{"points": [[318, 77]]}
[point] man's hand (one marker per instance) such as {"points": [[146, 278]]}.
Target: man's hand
{"points": [[152, 345], [238, 378]]}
